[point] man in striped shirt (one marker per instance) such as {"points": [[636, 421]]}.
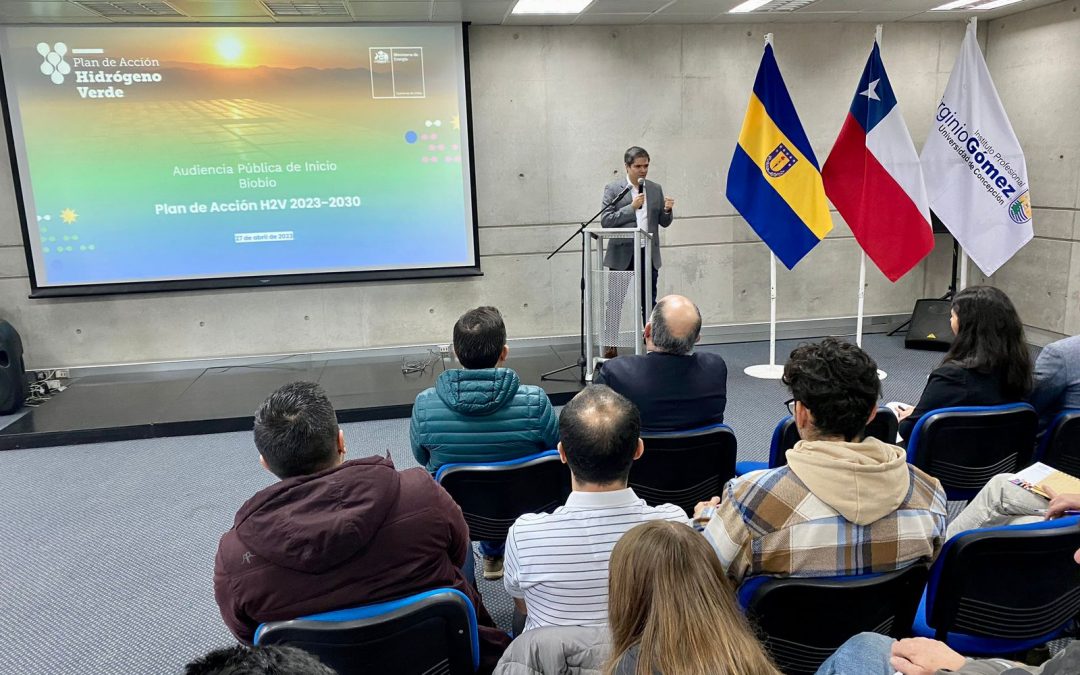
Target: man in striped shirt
{"points": [[557, 563]]}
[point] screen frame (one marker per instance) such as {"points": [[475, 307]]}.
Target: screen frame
{"points": [[252, 281]]}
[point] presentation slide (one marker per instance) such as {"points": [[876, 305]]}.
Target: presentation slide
{"points": [[239, 154]]}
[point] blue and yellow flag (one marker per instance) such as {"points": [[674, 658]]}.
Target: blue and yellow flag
{"points": [[774, 180]]}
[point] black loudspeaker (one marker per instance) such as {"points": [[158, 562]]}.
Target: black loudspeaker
{"points": [[929, 328], [13, 385]]}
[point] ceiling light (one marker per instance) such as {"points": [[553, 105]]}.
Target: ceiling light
{"points": [[115, 8], [957, 4], [306, 7], [550, 6], [748, 6], [994, 4]]}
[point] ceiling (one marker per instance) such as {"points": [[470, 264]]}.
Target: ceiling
{"points": [[606, 12]]}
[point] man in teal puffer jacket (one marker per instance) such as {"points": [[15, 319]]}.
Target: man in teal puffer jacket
{"points": [[481, 413]]}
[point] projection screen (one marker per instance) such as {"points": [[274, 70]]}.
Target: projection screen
{"points": [[153, 158]]}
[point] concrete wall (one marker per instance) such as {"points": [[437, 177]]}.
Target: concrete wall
{"points": [[1034, 58], [553, 108]]}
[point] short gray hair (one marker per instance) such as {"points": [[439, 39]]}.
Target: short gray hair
{"points": [[664, 340]]}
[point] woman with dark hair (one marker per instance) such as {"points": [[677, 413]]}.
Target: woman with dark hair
{"points": [[672, 611], [988, 364]]}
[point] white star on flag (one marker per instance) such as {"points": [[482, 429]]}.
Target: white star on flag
{"points": [[870, 92]]}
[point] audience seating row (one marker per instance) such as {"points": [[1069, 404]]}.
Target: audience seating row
{"points": [[683, 468], [959, 600], [786, 435], [963, 447]]}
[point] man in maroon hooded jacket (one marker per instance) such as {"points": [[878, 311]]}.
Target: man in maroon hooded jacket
{"points": [[334, 534]]}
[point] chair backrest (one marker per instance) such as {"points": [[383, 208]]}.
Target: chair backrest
{"points": [[784, 437], [492, 496], [965, 593], [1060, 446], [802, 621], [432, 632], [965, 447], [684, 467], [786, 434], [884, 426]]}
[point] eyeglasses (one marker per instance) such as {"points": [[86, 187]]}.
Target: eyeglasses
{"points": [[790, 405]]}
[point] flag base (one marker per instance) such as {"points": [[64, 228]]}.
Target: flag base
{"points": [[765, 371]]}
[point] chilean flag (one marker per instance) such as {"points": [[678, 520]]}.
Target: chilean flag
{"points": [[874, 178]]}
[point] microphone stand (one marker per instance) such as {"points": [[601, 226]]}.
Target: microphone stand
{"points": [[581, 331]]}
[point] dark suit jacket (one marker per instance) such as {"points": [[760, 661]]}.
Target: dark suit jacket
{"points": [[621, 213], [672, 392], [950, 386]]}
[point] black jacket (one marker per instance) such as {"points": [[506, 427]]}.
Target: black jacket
{"points": [[950, 386]]}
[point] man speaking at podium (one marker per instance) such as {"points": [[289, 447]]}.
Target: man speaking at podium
{"points": [[632, 202]]}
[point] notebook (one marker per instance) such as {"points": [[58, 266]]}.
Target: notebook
{"points": [[1039, 476]]}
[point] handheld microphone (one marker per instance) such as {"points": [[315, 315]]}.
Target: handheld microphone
{"points": [[641, 187]]}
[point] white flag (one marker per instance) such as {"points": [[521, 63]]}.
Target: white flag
{"points": [[976, 178]]}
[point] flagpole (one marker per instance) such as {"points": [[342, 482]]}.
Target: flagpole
{"points": [[771, 371], [862, 298], [862, 264], [862, 254], [973, 21], [772, 310]]}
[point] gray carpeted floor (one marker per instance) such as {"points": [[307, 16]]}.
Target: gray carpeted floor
{"points": [[108, 549]]}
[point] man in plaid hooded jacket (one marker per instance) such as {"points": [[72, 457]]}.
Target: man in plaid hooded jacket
{"points": [[843, 504]]}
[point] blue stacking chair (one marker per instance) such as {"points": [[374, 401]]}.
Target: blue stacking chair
{"points": [[431, 632], [786, 435], [492, 495], [802, 621], [964, 447], [1003, 590], [1060, 446], [684, 467]]}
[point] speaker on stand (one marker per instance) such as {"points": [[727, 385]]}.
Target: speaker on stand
{"points": [[13, 387], [929, 326]]}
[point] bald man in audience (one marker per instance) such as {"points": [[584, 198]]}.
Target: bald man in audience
{"points": [[674, 387]]}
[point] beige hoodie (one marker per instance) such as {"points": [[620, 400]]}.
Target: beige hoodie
{"points": [[863, 481]]}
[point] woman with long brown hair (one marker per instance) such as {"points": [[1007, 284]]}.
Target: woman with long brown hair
{"points": [[988, 363], [672, 610]]}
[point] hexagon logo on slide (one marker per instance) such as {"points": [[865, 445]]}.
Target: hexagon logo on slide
{"points": [[54, 66]]}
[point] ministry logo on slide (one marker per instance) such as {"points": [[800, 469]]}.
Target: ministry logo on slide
{"points": [[54, 66], [779, 161]]}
